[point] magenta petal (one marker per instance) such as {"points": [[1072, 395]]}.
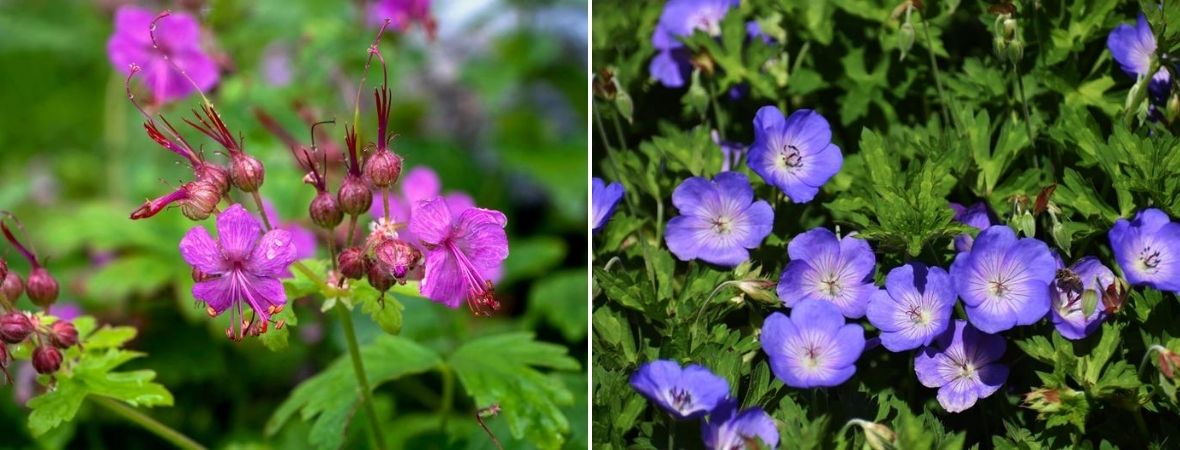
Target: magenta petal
{"points": [[201, 251], [443, 282], [262, 293], [274, 252], [218, 293], [431, 221], [237, 232], [420, 184]]}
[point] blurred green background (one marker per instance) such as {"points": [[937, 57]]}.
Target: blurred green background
{"points": [[496, 105]]}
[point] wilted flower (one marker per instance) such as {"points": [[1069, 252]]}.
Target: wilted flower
{"points": [[179, 38], [242, 267], [794, 154], [813, 347], [1148, 249], [728, 429], [603, 198], [719, 220], [1004, 281], [914, 308], [1133, 47], [961, 363], [824, 268], [977, 216], [681, 18], [685, 393], [1086, 277], [462, 251]]}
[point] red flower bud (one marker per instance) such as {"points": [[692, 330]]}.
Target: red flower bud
{"points": [[202, 200], [353, 263], [246, 172], [215, 175], [63, 334], [42, 287], [46, 359], [12, 287], [15, 327], [354, 196], [399, 257], [324, 211], [383, 168], [380, 278], [1169, 362]]}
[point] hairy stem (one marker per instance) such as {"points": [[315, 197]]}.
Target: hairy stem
{"points": [[358, 367], [448, 392], [946, 115], [1027, 118], [163, 431], [261, 210]]}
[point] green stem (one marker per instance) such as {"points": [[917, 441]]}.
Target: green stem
{"points": [[448, 393], [358, 367], [946, 115], [1027, 118], [1140, 94], [163, 431], [261, 210], [716, 110], [671, 433]]}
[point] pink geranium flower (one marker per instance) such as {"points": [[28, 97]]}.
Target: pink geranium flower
{"points": [[462, 252], [241, 268], [178, 36]]}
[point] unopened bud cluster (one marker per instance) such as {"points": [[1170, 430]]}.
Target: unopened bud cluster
{"points": [[1006, 40], [18, 327]]}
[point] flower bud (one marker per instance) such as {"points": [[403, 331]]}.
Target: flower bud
{"points": [[12, 287], [1000, 47], [905, 39], [202, 199], [246, 172], [1169, 362], [46, 359], [353, 263], [380, 278], [63, 334], [354, 195], [1015, 51], [42, 287], [1172, 110], [324, 211], [398, 256], [383, 168], [1009, 28], [15, 327], [215, 175]]}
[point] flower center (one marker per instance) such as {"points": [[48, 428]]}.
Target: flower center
{"points": [[792, 159], [831, 285], [811, 356], [681, 398], [998, 287], [722, 224], [1150, 259], [917, 315]]}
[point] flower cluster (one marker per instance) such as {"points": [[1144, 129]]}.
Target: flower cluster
{"points": [[455, 249], [49, 336], [694, 392]]}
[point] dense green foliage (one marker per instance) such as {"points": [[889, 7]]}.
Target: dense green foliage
{"points": [[949, 120], [493, 106]]}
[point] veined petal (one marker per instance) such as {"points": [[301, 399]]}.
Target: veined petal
{"points": [[201, 251], [237, 232], [273, 254], [431, 222], [443, 281]]}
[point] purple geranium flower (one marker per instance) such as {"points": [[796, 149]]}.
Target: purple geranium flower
{"points": [[686, 393], [914, 308], [417, 185], [179, 37], [731, 152], [1133, 47], [795, 154], [1004, 281], [813, 347], [719, 220], [824, 267], [1148, 249], [241, 267], [961, 363], [681, 18], [977, 216], [1069, 316], [729, 429], [603, 199], [463, 250]]}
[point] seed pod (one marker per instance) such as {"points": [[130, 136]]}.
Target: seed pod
{"points": [[353, 263], [398, 256], [354, 196], [215, 175], [380, 278], [383, 169], [905, 38], [63, 334], [324, 211], [42, 287], [12, 287], [246, 172], [202, 199], [46, 359], [15, 327]]}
